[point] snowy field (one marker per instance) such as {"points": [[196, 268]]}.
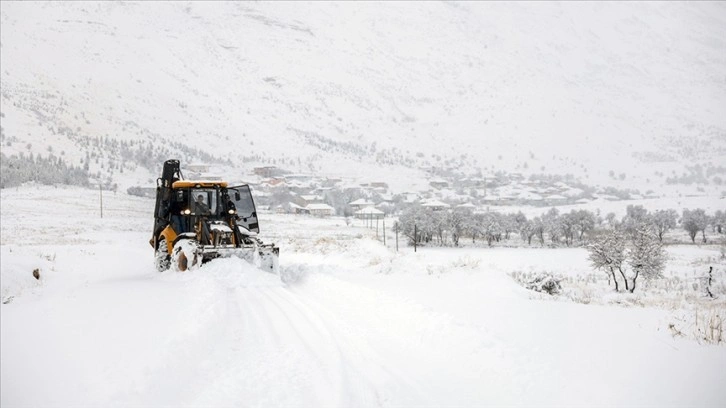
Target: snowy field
{"points": [[349, 323]]}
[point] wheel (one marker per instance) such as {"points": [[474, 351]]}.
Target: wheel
{"points": [[162, 258], [184, 255]]}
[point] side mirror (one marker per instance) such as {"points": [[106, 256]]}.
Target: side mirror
{"points": [[237, 196]]}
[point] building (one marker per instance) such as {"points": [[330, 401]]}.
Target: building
{"points": [[369, 213], [197, 168], [439, 184], [435, 205], [320, 210], [555, 199], [312, 198], [265, 171], [360, 203]]}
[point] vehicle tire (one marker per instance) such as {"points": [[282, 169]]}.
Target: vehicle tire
{"points": [[162, 257], [184, 256]]}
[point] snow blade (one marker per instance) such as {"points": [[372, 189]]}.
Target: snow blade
{"points": [[264, 257]]}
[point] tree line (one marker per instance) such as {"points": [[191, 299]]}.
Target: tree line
{"points": [[626, 248], [574, 228], [18, 169]]}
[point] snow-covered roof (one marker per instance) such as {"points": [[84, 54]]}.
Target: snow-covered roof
{"points": [[607, 197], [361, 201], [572, 192], [435, 203], [311, 197], [466, 205], [319, 207], [556, 197], [370, 210], [530, 196]]}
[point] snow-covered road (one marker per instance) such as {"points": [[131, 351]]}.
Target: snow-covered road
{"points": [[351, 323]]}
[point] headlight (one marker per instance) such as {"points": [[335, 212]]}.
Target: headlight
{"points": [[186, 212], [231, 211]]}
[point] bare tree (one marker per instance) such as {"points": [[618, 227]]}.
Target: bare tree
{"points": [[719, 222], [694, 221], [527, 230], [607, 252], [538, 226], [646, 256], [553, 225], [456, 221], [568, 224], [635, 215], [640, 250], [491, 227], [585, 222], [664, 221]]}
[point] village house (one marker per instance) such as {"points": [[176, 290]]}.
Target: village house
{"points": [[311, 199], [360, 203], [436, 205], [197, 168], [320, 210], [439, 184], [265, 171], [556, 199], [369, 213]]}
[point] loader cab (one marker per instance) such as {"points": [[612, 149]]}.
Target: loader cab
{"points": [[194, 200], [211, 201]]}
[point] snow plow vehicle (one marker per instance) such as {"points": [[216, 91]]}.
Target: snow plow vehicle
{"points": [[197, 221]]}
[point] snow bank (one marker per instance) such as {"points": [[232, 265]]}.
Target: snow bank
{"points": [[17, 269]]}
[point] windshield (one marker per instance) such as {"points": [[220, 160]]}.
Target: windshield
{"points": [[203, 201]]}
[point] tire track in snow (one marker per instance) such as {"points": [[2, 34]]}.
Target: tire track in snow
{"points": [[353, 387], [253, 365], [378, 373], [387, 380], [429, 350], [381, 375], [314, 341]]}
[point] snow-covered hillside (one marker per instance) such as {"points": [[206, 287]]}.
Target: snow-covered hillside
{"points": [[352, 322], [375, 90]]}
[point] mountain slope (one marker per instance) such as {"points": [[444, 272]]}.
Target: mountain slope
{"points": [[371, 88]]}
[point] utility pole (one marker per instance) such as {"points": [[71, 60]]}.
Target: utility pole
{"points": [[100, 191], [415, 237], [384, 232], [396, 227]]}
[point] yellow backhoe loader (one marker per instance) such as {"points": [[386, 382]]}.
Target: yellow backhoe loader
{"points": [[197, 221]]}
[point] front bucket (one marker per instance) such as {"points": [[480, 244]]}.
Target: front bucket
{"points": [[264, 257]]}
